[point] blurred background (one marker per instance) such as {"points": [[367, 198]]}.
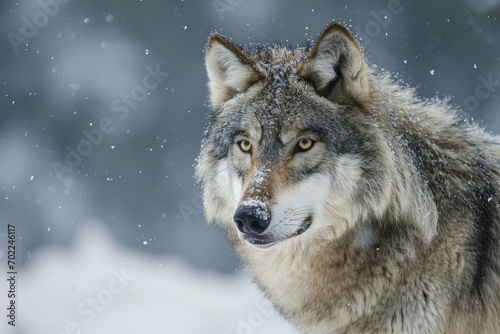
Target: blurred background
{"points": [[103, 105]]}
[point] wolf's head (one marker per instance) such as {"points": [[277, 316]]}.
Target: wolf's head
{"points": [[298, 148]]}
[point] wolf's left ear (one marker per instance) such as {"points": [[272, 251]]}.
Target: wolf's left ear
{"points": [[229, 70], [336, 66]]}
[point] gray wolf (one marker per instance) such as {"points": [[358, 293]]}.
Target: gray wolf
{"points": [[356, 206]]}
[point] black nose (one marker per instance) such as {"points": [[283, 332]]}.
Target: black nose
{"points": [[251, 219]]}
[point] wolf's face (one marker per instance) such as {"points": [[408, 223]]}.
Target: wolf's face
{"points": [[281, 162], [291, 152]]}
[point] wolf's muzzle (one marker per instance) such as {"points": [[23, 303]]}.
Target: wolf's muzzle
{"points": [[252, 219]]}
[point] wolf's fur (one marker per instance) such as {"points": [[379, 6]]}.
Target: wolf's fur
{"points": [[398, 196]]}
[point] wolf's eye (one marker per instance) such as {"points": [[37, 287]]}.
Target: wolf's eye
{"points": [[304, 144], [245, 146]]}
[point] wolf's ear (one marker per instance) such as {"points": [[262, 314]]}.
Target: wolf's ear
{"points": [[229, 70], [336, 66]]}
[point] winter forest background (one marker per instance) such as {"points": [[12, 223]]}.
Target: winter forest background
{"points": [[103, 104]]}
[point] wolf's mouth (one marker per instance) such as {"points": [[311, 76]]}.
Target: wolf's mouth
{"points": [[304, 226], [261, 244], [266, 242]]}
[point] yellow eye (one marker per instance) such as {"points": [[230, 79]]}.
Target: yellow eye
{"points": [[305, 144], [245, 146]]}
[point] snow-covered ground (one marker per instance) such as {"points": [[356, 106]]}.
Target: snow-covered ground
{"points": [[100, 287]]}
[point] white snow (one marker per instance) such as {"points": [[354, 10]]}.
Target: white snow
{"points": [[101, 287]]}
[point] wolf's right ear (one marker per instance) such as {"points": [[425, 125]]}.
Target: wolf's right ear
{"points": [[336, 66], [229, 70]]}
